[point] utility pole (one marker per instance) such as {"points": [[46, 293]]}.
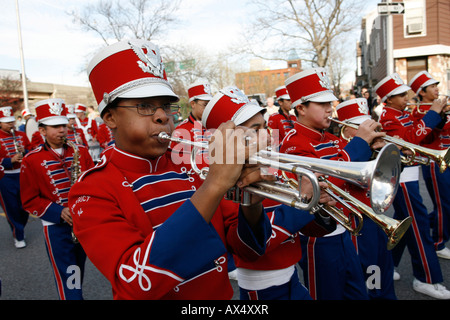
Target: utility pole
{"points": [[389, 8], [24, 77]]}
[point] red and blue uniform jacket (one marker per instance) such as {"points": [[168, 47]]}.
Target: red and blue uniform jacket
{"points": [[192, 130], [45, 180], [136, 223], [406, 126], [7, 144], [105, 136], [280, 124], [440, 137]]}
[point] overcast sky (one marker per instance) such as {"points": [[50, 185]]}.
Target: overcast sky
{"points": [[56, 51]]}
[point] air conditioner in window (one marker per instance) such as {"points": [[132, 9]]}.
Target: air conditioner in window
{"points": [[414, 28]]}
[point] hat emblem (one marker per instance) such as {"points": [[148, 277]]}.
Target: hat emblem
{"points": [[6, 112], [150, 59], [236, 95], [397, 79], [207, 88], [362, 106], [55, 108], [324, 81]]}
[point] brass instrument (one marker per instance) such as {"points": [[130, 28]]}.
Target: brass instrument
{"points": [[75, 172], [381, 176], [418, 104], [394, 229], [271, 190], [442, 157]]}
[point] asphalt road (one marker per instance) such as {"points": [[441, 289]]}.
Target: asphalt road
{"points": [[26, 274]]}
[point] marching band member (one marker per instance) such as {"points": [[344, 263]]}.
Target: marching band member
{"points": [[15, 145], [371, 244], [46, 177], [105, 136], [191, 128], [331, 267], [426, 89], [90, 129], [282, 121], [396, 121], [272, 276], [74, 134], [143, 222]]}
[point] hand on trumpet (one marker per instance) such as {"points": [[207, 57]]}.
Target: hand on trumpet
{"points": [[229, 150], [369, 131], [439, 105]]}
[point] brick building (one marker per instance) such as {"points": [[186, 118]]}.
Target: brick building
{"points": [[11, 93], [266, 81], [421, 40]]}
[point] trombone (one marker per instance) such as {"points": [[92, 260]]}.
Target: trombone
{"points": [[276, 191], [442, 157]]}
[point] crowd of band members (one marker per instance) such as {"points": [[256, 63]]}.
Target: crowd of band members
{"points": [[157, 231]]}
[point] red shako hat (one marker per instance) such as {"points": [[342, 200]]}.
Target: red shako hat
{"points": [[354, 111], [70, 111], [421, 80], [6, 114], [282, 93], [79, 107], [310, 85], [51, 112], [390, 86], [200, 90], [128, 69], [229, 103]]}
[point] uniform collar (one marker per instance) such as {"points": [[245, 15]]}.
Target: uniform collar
{"points": [[393, 110], [130, 162], [310, 132]]}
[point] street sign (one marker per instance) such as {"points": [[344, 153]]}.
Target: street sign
{"points": [[386, 8], [187, 64]]}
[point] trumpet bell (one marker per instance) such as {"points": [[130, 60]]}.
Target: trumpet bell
{"points": [[396, 230], [384, 178]]}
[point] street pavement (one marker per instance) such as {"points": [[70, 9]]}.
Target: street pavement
{"points": [[26, 274]]}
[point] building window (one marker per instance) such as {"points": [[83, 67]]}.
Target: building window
{"points": [[414, 18]]}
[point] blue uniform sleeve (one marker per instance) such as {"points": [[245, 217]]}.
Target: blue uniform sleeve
{"points": [[6, 163], [358, 149], [53, 213], [431, 119], [192, 243], [257, 237]]}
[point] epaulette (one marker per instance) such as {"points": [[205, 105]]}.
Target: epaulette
{"points": [[100, 165], [36, 150]]}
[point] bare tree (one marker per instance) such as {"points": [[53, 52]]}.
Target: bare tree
{"points": [[114, 20], [10, 92], [309, 26]]}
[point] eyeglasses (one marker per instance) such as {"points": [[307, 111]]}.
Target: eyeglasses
{"points": [[148, 110]]}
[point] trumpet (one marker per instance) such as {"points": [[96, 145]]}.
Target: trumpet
{"points": [[418, 104], [442, 157], [272, 190], [394, 229], [380, 175]]}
